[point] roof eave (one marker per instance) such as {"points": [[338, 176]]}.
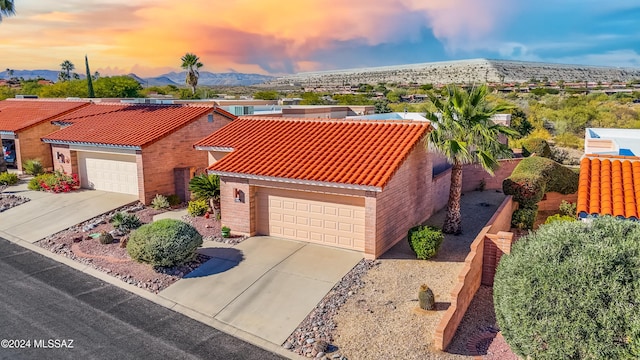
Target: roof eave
{"points": [[297, 181], [214, 148], [82, 143]]}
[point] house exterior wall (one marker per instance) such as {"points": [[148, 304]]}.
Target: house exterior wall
{"points": [[29, 146], [440, 185], [239, 216], [158, 160], [406, 201], [64, 159]]}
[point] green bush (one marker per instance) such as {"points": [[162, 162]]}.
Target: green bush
{"points": [[524, 217], [7, 178], [33, 167], [35, 184], [125, 222], [165, 242], [568, 209], [160, 202], [425, 241], [205, 186], [559, 217], [197, 207], [534, 176], [537, 146], [174, 200], [570, 291]]}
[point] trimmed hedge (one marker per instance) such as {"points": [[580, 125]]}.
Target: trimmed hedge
{"points": [[559, 217], [524, 217], [165, 242], [537, 146], [425, 241], [534, 176], [571, 290]]}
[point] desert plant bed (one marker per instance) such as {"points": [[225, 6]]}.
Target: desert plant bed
{"points": [[81, 244], [7, 201]]}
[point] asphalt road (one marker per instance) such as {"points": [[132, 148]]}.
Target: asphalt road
{"points": [[48, 304]]}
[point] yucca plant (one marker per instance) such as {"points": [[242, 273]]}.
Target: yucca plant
{"points": [[207, 187]]}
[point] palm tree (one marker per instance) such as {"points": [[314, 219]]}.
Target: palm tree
{"points": [[66, 66], [191, 63], [464, 133], [6, 8]]}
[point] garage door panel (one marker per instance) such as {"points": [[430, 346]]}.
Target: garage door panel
{"points": [[108, 172], [321, 218]]}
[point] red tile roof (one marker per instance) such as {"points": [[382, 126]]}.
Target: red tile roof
{"points": [[125, 124], [364, 153], [17, 115], [609, 187]]}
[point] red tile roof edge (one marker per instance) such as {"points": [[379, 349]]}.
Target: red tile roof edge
{"points": [[81, 104], [297, 181], [617, 157]]}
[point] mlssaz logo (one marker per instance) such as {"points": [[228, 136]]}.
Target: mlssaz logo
{"points": [[53, 344]]}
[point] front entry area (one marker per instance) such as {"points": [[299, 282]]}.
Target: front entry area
{"points": [[320, 218], [108, 171]]}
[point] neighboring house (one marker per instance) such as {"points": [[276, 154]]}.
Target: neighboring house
{"points": [[353, 184], [135, 149], [26, 121], [610, 174]]}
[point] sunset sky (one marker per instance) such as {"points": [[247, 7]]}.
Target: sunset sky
{"points": [[148, 37]]}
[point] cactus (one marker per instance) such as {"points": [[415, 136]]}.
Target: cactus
{"points": [[105, 238], [426, 298]]}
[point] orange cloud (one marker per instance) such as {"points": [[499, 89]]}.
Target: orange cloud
{"points": [[246, 35]]}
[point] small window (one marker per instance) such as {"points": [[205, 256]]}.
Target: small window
{"points": [[210, 118]]}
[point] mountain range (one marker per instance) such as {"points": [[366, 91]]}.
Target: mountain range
{"points": [[173, 78]]}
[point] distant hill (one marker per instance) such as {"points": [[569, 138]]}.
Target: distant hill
{"points": [[461, 71], [172, 78]]}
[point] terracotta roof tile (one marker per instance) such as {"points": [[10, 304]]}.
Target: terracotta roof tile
{"points": [[365, 153], [124, 124], [609, 186], [17, 115]]}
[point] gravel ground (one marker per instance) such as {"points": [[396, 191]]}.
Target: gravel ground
{"points": [[9, 201], [75, 243], [381, 320]]}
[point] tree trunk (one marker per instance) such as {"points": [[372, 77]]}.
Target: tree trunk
{"points": [[453, 221]]}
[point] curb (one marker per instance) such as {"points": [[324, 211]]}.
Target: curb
{"points": [[157, 299]]}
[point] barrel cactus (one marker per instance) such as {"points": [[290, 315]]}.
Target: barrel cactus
{"points": [[426, 298]]}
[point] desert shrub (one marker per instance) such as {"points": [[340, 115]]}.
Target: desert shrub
{"points": [[559, 217], [7, 178], [56, 182], [105, 238], [570, 291], [125, 222], [33, 167], [160, 202], [524, 217], [568, 209], [197, 207], [165, 242], [174, 200], [537, 146], [205, 186], [534, 176], [425, 241]]}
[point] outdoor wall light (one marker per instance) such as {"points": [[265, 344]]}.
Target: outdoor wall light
{"points": [[237, 195]]}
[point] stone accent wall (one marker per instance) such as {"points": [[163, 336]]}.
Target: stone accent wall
{"points": [[29, 146]]}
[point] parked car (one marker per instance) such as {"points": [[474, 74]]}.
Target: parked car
{"points": [[9, 152]]}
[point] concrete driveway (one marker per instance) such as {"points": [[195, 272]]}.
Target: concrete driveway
{"points": [[264, 286], [49, 213]]}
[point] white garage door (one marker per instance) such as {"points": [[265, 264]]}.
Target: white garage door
{"points": [[320, 218], [108, 172]]}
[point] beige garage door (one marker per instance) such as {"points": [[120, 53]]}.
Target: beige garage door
{"points": [[108, 172], [320, 218]]}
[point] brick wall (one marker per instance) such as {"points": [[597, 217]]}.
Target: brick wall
{"points": [[552, 200], [491, 243], [29, 146], [406, 201], [472, 175], [158, 160], [440, 185], [239, 216]]}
